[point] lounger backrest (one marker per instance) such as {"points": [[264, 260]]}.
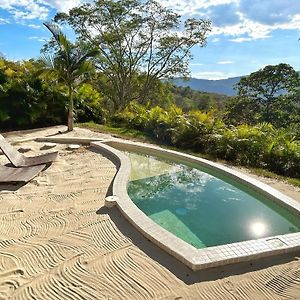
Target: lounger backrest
{"points": [[15, 157]]}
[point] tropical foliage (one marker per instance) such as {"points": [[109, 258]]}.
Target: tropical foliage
{"points": [[25, 99], [28, 100], [261, 145]]}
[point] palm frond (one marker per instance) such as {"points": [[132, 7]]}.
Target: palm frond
{"points": [[61, 40], [48, 61], [54, 29]]}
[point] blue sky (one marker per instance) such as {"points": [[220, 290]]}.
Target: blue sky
{"points": [[247, 34]]}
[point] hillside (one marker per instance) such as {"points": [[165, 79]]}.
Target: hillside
{"points": [[189, 99], [221, 86]]}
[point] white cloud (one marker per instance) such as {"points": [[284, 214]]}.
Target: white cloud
{"points": [[253, 30], [62, 5], [34, 26], [25, 9], [38, 38], [225, 62], [212, 75], [242, 20], [241, 40], [3, 21], [22, 10], [193, 7], [248, 30]]}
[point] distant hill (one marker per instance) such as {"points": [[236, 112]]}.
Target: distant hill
{"points": [[221, 86], [189, 99]]}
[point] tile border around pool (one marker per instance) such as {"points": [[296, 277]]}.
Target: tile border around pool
{"points": [[195, 259]]}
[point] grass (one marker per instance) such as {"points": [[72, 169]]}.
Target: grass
{"points": [[269, 174], [116, 131], [139, 136]]}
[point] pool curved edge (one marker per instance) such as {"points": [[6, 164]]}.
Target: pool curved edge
{"points": [[195, 259]]}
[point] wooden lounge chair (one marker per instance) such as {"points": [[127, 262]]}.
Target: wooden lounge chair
{"points": [[23, 175], [19, 160]]}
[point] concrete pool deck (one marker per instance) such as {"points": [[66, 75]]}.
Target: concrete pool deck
{"points": [[59, 241]]}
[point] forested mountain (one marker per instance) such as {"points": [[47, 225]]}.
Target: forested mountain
{"points": [[221, 86], [189, 99]]}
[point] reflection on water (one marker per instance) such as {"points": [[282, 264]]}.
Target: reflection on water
{"points": [[147, 166], [200, 208], [258, 228]]}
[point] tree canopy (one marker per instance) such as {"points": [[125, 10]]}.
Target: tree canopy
{"points": [[268, 83], [267, 95], [138, 41]]}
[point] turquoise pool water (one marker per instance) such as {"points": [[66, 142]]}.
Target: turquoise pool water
{"points": [[200, 208]]}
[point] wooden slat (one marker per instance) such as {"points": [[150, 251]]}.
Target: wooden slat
{"points": [[25, 174], [40, 159]]}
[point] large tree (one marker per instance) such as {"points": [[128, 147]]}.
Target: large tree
{"points": [[69, 64], [268, 83], [139, 42], [267, 95]]}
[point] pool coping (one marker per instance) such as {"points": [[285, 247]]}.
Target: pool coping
{"points": [[195, 259]]}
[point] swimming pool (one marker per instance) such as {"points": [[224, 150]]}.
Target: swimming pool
{"points": [[265, 243], [200, 208]]}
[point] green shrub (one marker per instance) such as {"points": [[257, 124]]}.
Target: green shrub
{"points": [[261, 145]]}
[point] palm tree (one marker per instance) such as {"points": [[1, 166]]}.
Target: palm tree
{"points": [[69, 64]]}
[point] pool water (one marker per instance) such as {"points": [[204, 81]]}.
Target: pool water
{"points": [[200, 208]]}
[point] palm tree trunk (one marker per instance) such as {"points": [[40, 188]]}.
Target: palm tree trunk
{"points": [[71, 108]]}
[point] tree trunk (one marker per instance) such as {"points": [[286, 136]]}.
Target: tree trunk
{"points": [[71, 108], [123, 100]]}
